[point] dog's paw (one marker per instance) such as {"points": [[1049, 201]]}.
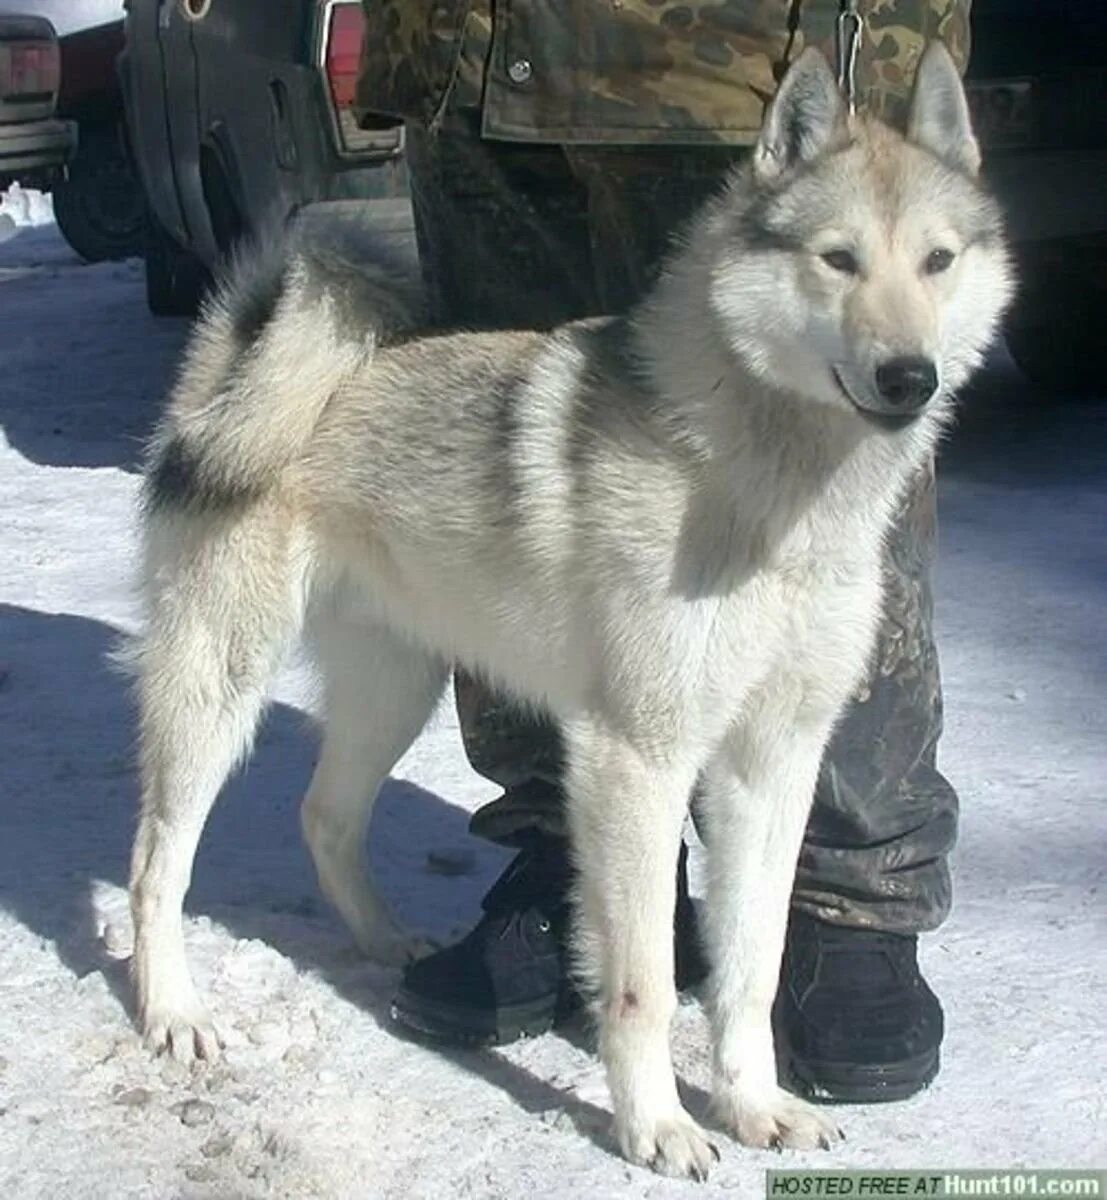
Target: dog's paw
{"points": [[775, 1120], [186, 1035], [675, 1146], [375, 932], [389, 946]]}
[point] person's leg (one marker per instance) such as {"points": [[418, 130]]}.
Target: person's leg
{"points": [[858, 1020], [502, 231], [503, 243], [885, 817], [513, 235]]}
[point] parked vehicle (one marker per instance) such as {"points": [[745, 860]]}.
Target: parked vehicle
{"points": [[98, 201], [1038, 78], [35, 144], [99, 206], [240, 113]]}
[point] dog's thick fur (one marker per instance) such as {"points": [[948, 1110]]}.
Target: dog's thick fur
{"points": [[664, 528]]}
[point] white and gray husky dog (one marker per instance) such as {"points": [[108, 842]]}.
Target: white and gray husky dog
{"points": [[665, 529]]}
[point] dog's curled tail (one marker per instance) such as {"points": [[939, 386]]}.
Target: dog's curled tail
{"points": [[290, 321]]}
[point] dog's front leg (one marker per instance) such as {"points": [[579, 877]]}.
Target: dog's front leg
{"points": [[626, 814], [757, 796]]}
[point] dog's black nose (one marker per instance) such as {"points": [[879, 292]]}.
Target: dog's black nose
{"points": [[906, 384]]}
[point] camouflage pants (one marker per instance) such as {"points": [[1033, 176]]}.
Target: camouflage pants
{"points": [[515, 235]]}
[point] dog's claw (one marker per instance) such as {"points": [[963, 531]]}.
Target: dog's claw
{"points": [[183, 1040], [676, 1148], [774, 1121]]}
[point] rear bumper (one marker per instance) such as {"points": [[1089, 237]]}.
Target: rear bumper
{"points": [[33, 146]]}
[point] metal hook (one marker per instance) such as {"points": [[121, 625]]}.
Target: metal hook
{"points": [[847, 42]]}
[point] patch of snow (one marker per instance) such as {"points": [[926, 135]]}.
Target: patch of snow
{"points": [[27, 206]]}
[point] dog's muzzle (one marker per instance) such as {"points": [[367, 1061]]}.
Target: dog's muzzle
{"points": [[904, 387]]}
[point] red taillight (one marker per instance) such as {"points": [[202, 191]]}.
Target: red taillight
{"points": [[344, 36], [29, 69], [343, 33]]}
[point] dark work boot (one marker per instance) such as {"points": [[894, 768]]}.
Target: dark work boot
{"points": [[856, 1021], [508, 977]]}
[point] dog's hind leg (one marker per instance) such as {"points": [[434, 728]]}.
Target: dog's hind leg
{"points": [[379, 691], [626, 813], [224, 600], [754, 807]]}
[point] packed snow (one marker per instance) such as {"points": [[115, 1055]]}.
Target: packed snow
{"points": [[318, 1094]]}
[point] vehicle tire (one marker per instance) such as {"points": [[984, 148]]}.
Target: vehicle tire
{"points": [[1055, 330], [99, 207], [175, 279]]}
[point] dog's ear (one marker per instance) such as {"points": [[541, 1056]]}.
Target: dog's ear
{"points": [[806, 117], [939, 119]]}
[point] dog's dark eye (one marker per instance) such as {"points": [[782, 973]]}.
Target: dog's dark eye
{"points": [[842, 260], [938, 261]]}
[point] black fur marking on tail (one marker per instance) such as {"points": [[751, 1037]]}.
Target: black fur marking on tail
{"points": [[255, 310], [180, 480]]}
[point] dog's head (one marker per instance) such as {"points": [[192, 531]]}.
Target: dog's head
{"points": [[863, 267]]}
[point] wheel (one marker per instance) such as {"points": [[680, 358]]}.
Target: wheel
{"points": [[1055, 331], [175, 279], [100, 208]]}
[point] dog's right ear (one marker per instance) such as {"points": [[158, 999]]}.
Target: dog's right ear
{"points": [[807, 115]]}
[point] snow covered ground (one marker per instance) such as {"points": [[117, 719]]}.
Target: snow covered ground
{"points": [[318, 1096]]}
